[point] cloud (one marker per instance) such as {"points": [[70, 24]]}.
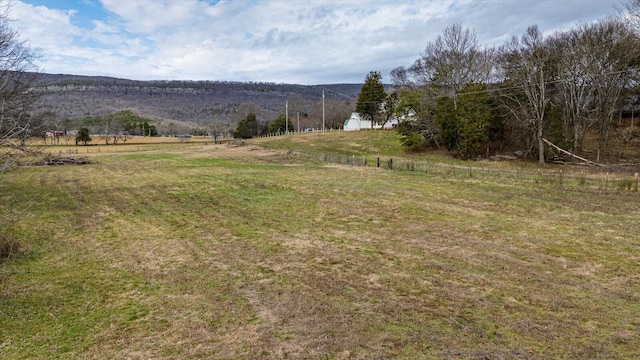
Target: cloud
{"points": [[294, 41], [45, 28]]}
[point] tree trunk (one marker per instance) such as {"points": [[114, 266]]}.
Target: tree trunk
{"points": [[576, 137], [540, 145]]}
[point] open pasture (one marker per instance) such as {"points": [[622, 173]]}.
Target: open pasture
{"points": [[98, 145], [240, 252]]}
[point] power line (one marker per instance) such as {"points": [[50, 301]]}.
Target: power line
{"points": [[517, 87]]}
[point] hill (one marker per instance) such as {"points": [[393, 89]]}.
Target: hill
{"points": [[193, 104]]}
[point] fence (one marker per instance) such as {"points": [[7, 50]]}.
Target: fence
{"points": [[312, 130], [126, 148], [352, 160], [566, 180]]}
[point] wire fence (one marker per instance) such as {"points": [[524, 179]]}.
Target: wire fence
{"points": [[566, 180], [127, 148], [305, 131]]}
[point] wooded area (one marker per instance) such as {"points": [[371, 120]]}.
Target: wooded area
{"points": [[576, 88], [193, 107], [569, 87]]}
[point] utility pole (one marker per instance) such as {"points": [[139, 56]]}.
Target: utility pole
{"points": [[286, 117], [323, 111], [298, 115]]}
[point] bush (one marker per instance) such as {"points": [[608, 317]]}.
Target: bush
{"points": [[415, 136], [9, 245], [247, 128], [414, 142], [83, 136]]}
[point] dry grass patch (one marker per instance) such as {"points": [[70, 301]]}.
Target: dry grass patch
{"points": [[229, 252]]}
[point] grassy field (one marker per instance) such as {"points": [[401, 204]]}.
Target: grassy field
{"points": [[215, 251]]}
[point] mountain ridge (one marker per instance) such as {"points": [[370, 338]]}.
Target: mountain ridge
{"points": [[193, 103]]}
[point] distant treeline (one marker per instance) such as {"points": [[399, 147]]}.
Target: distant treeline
{"points": [[193, 106]]}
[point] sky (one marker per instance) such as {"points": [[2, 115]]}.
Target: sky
{"points": [[305, 42]]}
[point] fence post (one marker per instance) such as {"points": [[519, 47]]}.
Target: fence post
{"points": [[391, 164], [560, 178], [635, 181], [378, 161], [364, 161], [606, 181]]}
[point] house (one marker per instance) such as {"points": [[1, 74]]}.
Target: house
{"points": [[53, 133], [356, 122], [390, 124], [407, 115]]}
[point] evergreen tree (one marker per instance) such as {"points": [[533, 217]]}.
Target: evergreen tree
{"points": [[83, 136], [247, 128], [465, 129], [446, 120], [279, 125], [474, 119], [371, 97]]}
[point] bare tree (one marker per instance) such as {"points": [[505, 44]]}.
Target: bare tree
{"points": [[337, 112], [400, 77], [241, 111], [593, 71], [631, 13], [17, 118], [527, 66], [450, 63], [218, 128], [17, 96], [616, 50], [575, 85]]}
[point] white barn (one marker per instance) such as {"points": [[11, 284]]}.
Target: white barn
{"points": [[356, 122]]}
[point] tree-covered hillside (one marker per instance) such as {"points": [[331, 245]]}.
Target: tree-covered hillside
{"points": [[193, 105]]}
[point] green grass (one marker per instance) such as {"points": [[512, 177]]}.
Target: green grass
{"points": [[345, 143], [238, 253]]}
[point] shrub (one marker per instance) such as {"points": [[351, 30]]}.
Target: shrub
{"points": [[9, 245], [414, 142]]}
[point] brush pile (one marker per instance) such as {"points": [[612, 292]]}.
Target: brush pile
{"points": [[59, 160]]}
